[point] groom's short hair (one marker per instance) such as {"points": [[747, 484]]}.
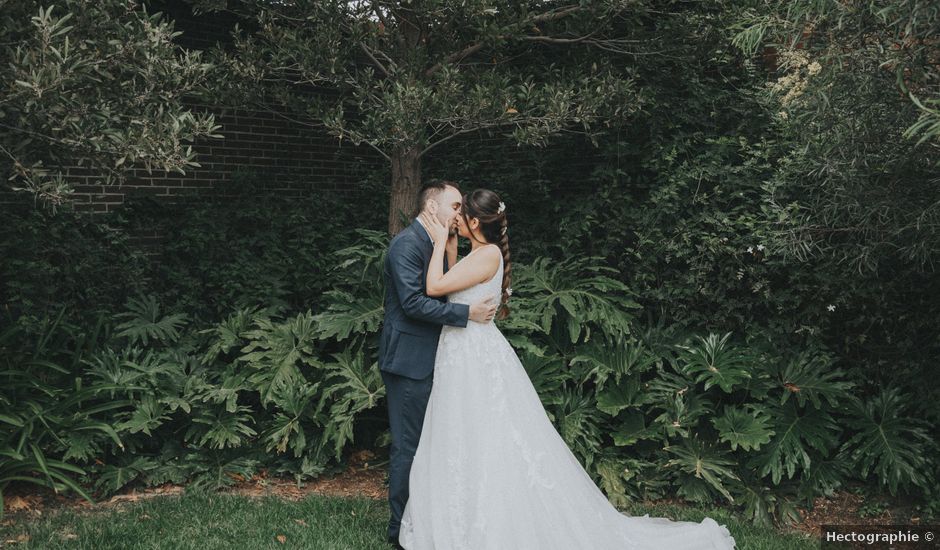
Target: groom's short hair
{"points": [[431, 189]]}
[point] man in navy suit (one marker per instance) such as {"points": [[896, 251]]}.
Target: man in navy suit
{"points": [[412, 326]]}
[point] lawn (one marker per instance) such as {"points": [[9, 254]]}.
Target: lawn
{"points": [[203, 521]]}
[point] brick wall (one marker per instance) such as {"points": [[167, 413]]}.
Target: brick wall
{"points": [[277, 155], [274, 152], [268, 149]]}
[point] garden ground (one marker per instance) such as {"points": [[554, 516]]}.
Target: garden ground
{"points": [[346, 510]]}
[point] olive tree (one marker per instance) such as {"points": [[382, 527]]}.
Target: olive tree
{"points": [[404, 77], [93, 84]]}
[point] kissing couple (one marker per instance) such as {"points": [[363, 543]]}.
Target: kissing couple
{"points": [[475, 462]]}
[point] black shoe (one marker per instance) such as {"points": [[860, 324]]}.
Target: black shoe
{"points": [[394, 542]]}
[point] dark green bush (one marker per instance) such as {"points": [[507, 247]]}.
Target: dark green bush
{"points": [[152, 395]]}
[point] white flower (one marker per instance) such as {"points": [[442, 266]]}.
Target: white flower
{"points": [[760, 247], [750, 249], [502, 207], [509, 291], [831, 307]]}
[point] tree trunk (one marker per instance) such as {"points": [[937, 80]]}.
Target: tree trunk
{"points": [[406, 180]]}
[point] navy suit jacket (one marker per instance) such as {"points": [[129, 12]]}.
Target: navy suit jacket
{"points": [[413, 320]]}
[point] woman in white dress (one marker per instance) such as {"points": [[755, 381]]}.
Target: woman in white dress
{"points": [[491, 472]]}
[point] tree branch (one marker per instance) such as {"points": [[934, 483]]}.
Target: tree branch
{"points": [[481, 126], [454, 57], [554, 40], [564, 11], [476, 46], [374, 60]]}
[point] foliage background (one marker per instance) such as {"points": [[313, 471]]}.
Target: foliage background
{"points": [[736, 304]]}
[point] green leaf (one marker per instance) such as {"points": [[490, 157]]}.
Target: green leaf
{"points": [[627, 393], [354, 385], [680, 406], [611, 472], [889, 442], [546, 372], [276, 350], [144, 322], [603, 357], [704, 462], [298, 408], [798, 434], [809, 375], [115, 476], [716, 363], [633, 428], [578, 293], [578, 422], [149, 414], [737, 426], [348, 315], [219, 428], [12, 420]]}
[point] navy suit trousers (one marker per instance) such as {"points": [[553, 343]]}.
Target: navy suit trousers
{"points": [[407, 401]]}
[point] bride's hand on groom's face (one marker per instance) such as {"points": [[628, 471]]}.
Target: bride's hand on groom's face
{"points": [[439, 233]]}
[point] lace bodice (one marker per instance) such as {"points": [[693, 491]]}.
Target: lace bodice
{"points": [[493, 287]]}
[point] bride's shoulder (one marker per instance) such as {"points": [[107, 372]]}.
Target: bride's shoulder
{"points": [[490, 253], [485, 259]]}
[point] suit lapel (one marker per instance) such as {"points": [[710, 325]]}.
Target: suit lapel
{"points": [[422, 234], [426, 242]]}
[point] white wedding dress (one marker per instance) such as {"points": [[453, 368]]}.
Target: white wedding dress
{"points": [[491, 472]]}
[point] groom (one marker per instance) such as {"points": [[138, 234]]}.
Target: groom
{"points": [[410, 332]]}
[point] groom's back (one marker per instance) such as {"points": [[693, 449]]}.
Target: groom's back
{"points": [[405, 248], [407, 344]]}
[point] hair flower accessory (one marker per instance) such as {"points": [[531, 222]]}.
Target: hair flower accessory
{"points": [[509, 291], [502, 207]]}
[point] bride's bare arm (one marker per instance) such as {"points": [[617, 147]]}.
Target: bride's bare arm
{"points": [[472, 270], [452, 252]]}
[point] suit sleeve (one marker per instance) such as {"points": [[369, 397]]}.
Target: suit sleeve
{"points": [[405, 265]]}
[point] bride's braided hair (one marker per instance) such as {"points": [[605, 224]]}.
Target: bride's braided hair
{"points": [[483, 204]]}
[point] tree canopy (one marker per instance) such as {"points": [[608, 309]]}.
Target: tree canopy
{"points": [[94, 84], [405, 77]]}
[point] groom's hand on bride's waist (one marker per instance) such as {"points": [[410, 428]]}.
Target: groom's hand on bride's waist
{"points": [[483, 310]]}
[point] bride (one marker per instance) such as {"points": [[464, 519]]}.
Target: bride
{"points": [[490, 470]]}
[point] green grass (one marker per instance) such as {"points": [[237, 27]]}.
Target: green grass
{"points": [[209, 521]]}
